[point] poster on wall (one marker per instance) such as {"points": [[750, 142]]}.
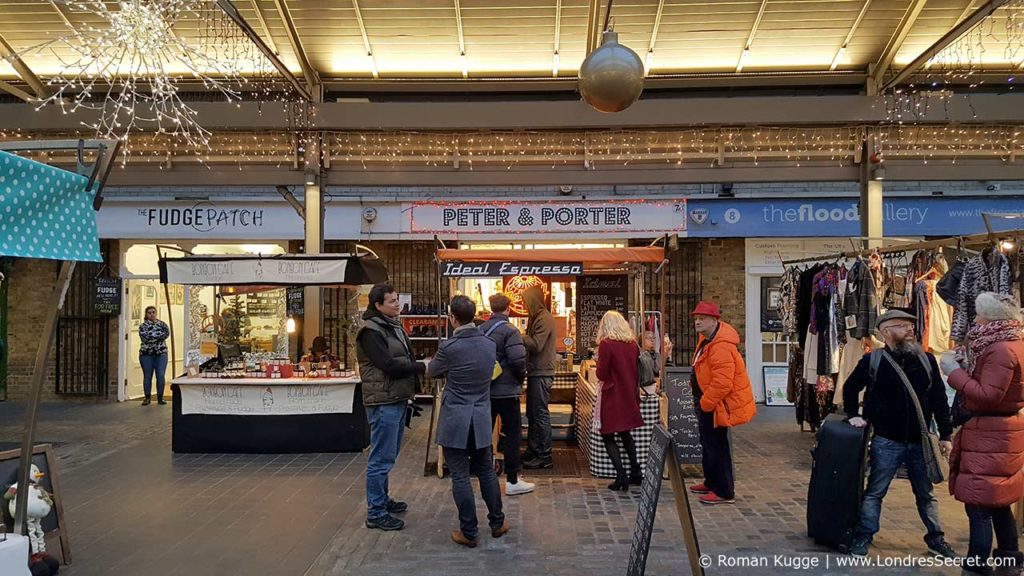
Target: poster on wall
{"points": [[107, 296], [771, 292], [776, 381], [596, 295]]}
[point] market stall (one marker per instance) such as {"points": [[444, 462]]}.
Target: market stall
{"points": [[252, 400], [579, 285]]}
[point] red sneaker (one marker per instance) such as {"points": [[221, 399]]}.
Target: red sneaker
{"points": [[700, 489], [712, 499]]}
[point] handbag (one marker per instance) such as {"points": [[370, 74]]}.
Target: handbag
{"points": [[948, 287], [935, 462]]}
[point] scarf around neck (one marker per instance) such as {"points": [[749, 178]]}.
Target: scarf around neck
{"points": [[981, 337]]}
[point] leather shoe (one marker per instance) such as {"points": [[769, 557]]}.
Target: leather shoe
{"points": [[501, 530], [459, 538], [396, 507]]}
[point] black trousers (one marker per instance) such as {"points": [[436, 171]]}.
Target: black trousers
{"points": [[716, 456], [462, 463], [982, 520], [511, 433]]}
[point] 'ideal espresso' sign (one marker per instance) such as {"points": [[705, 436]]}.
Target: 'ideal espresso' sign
{"points": [[549, 217], [494, 269]]}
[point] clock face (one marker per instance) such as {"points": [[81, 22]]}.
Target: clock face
{"points": [[516, 285]]}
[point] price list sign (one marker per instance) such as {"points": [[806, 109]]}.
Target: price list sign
{"points": [[682, 415], [596, 295]]}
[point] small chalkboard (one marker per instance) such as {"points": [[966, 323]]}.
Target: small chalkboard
{"points": [[107, 296], [596, 295], [650, 491], [295, 298], [682, 415], [43, 457]]}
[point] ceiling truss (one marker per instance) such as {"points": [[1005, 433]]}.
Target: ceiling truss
{"points": [[311, 75], [884, 62]]}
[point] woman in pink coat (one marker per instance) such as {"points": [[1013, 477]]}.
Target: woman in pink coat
{"points": [[617, 355], [985, 471]]}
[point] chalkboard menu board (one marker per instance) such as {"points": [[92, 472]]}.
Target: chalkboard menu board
{"points": [[295, 300], [596, 295], [44, 458], [682, 417], [650, 491], [107, 296]]}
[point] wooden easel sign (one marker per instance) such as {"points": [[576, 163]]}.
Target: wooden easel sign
{"points": [[43, 457], [662, 450]]}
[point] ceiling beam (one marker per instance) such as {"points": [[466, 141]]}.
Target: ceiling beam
{"points": [[546, 114], [310, 73], [593, 25], [895, 44], [232, 12], [24, 72], [366, 40], [15, 91], [263, 24], [963, 27], [849, 35], [63, 16], [555, 58], [750, 39], [462, 40], [654, 37]]}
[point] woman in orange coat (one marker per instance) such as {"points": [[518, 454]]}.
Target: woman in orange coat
{"points": [[722, 390], [617, 356], [985, 471]]}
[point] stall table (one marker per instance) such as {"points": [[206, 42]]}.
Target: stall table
{"points": [[268, 416], [590, 441]]}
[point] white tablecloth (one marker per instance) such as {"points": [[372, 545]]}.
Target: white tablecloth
{"points": [[14, 556], [266, 397]]}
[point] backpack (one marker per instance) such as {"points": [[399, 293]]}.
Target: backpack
{"points": [[498, 369]]}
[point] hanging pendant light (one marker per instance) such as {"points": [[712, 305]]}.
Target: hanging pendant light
{"points": [[612, 76]]}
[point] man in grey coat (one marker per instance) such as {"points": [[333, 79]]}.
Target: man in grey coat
{"points": [[464, 424], [506, 390], [540, 377]]}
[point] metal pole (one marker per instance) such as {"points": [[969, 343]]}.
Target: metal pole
{"points": [[170, 317], [47, 334]]}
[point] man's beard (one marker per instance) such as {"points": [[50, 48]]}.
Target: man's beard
{"points": [[907, 347]]}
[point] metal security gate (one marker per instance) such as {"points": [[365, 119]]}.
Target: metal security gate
{"points": [[683, 287], [83, 339]]}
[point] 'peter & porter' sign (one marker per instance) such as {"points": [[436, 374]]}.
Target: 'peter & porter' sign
{"points": [[549, 217]]}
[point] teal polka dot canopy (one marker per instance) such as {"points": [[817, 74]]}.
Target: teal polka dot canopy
{"points": [[45, 212]]}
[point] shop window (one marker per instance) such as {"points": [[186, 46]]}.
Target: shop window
{"points": [[141, 259]]}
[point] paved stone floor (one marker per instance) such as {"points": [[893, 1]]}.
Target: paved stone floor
{"points": [[133, 507]]}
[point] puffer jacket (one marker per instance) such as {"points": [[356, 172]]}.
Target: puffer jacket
{"points": [[988, 452], [722, 377], [511, 356]]}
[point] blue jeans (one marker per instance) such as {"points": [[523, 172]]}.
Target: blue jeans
{"points": [[151, 365], [886, 457], [387, 426]]}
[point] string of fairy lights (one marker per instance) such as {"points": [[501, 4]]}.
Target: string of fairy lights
{"points": [[688, 148]]}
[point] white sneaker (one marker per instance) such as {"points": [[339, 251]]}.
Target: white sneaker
{"points": [[520, 487]]}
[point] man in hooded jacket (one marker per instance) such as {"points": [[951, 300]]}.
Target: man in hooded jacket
{"points": [[389, 375], [540, 377]]}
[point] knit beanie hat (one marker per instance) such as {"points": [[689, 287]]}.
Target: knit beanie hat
{"points": [[994, 306]]}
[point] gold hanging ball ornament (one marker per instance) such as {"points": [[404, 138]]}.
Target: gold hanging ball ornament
{"points": [[612, 77]]}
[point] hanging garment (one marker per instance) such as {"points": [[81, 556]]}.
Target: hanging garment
{"points": [[861, 301], [979, 276], [939, 321], [788, 301], [804, 303]]}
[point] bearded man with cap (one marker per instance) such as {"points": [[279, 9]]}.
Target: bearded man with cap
{"points": [[897, 433], [722, 398]]}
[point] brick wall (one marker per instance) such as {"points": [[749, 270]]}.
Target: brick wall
{"points": [[28, 300], [724, 280]]}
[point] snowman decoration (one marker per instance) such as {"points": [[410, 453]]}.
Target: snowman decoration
{"points": [[39, 505]]}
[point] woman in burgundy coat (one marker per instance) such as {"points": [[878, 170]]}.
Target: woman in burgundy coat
{"points": [[617, 354], [985, 471]]}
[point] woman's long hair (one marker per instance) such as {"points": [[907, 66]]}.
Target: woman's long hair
{"points": [[614, 327]]}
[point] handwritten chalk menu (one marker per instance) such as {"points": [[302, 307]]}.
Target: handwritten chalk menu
{"points": [[650, 490], [295, 300], [682, 417], [106, 297], [596, 295]]}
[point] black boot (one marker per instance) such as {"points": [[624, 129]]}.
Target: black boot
{"points": [[1011, 562], [621, 479], [146, 401], [635, 476]]}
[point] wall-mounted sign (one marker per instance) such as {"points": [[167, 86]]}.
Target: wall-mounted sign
{"points": [[106, 297], [493, 269], [243, 270], [595, 217], [295, 300], [202, 219]]}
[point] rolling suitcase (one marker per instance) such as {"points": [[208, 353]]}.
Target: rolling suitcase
{"points": [[837, 482]]}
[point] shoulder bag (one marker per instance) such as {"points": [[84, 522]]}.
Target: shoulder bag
{"points": [[935, 462]]}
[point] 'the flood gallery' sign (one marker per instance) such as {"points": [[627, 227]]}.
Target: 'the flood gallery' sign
{"points": [[549, 217]]}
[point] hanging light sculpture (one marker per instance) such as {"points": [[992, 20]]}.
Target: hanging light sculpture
{"points": [[611, 78]]}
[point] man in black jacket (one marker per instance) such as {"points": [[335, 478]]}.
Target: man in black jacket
{"points": [[897, 433], [507, 388], [389, 374], [540, 378]]}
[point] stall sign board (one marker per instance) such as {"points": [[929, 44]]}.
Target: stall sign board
{"points": [[661, 453], [494, 269], [295, 300], [107, 296], [776, 382], [249, 400], [682, 415], [43, 457], [596, 295]]}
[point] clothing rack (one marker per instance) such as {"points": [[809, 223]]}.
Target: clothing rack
{"points": [[915, 246]]}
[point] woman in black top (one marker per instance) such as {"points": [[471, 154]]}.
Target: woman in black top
{"points": [[153, 354]]}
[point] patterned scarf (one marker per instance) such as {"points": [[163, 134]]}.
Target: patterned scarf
{"points": [[981, 337]]}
